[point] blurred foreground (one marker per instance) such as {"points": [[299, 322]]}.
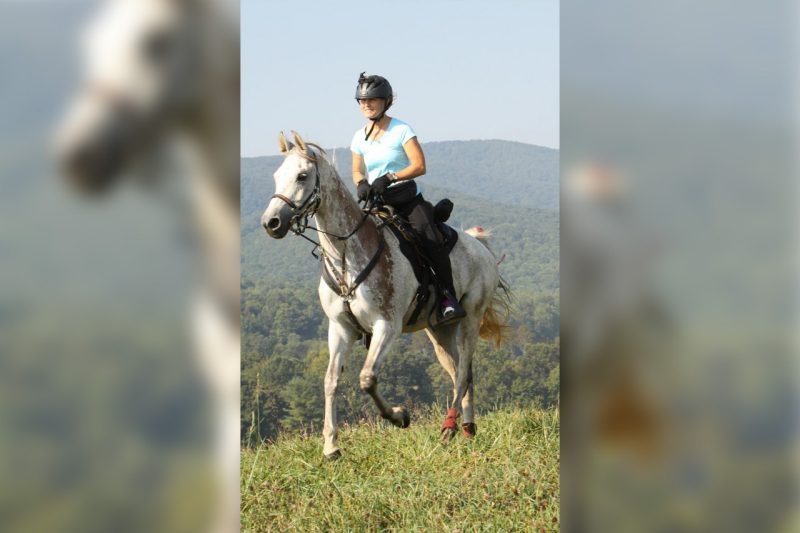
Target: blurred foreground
{"points": [[679, 267], [111, 418], [679, 258]]}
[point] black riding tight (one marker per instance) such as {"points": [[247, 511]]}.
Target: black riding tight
{"points": [[419, 212]]}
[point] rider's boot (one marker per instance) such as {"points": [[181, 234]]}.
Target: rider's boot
{"points": [[450, 306]]}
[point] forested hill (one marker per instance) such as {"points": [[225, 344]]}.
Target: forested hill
{"points": [[510, 188], [501, 171]]}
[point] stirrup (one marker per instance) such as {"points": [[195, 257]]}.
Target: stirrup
{"points": [[451, 310]]}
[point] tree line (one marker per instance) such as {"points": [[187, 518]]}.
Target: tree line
{"points": [[285, 355]]}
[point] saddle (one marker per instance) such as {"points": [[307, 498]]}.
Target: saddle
{"points": [[411, 247]]}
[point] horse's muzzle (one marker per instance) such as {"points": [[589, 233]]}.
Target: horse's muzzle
{"points": [[275, 227], [95, 142]]}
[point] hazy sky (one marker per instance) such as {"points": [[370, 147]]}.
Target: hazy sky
{"points": [[460, 70]]}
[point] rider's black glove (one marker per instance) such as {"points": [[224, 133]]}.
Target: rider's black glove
{"points": [[363, 190], [380, 184]]}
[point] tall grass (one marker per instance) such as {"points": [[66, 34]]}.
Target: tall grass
{"points": [[388, 479]]}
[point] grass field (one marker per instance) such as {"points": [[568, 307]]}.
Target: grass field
{"points": [[388, 479]]}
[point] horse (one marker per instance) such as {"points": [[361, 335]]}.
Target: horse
{"points": [[380, 302], [160, 96]]}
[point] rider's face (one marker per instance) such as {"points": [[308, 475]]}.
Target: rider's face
{"points": [[372, 107]]}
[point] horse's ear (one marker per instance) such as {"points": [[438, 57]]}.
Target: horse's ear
{"points": [[284, 145], [299, 141]]}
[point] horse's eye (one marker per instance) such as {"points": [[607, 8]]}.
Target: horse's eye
{"points": [[302, 176]]}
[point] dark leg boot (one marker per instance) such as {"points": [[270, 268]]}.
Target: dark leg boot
{"points": [[421, 216], [451, 308]]}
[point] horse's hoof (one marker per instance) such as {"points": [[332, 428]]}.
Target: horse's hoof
{"points": [[450, 425], [469, 429], [334, 455], [405, 419]]}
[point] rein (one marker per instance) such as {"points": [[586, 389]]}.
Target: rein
{"points": [[331, 274], [308, 208], [337, 282]]}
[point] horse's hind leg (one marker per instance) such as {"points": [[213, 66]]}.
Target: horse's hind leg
{"points": [[340, 342], [468, 426], [445, 358], [446, 348], [468, 338], [383, 333]]}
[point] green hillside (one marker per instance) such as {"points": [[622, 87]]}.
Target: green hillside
{"points": [[505, 479], [284, 352]]}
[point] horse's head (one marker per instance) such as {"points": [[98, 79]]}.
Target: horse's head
{"points": [[141, 72], [297, 187]]}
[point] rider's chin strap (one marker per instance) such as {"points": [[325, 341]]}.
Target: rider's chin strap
{"points": [[375, 123]]}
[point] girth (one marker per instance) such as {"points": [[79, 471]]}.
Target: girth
{"points": [[338, 285]]}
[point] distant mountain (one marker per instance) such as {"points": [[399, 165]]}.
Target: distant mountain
{"points": [[510, 188], [500, 171], [503, 171]]}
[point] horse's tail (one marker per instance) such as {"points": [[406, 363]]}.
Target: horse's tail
{"points": [[493, 323]]}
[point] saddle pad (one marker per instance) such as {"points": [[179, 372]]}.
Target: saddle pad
{"points": [[419, 263]]}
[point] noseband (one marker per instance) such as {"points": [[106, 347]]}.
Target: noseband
{"points": [[298, 223]]}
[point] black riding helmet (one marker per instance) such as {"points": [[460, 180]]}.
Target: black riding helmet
{"points": [[374, 87]]}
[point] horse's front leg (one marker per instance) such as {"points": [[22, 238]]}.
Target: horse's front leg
{"points": [[383, 333], [340, 342]]}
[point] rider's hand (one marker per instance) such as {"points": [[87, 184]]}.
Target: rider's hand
{"points": [[363, 190], [380, 184]]}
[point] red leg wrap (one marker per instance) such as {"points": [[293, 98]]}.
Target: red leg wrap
{"points": [[469, 429], [450, 421]]}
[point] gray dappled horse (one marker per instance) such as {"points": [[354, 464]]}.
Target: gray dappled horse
{"points": [[380, 301]]}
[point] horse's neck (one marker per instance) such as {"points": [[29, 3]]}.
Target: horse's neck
{"points": [[214, 130], [213, 122], [339, 214], [212, 142]]}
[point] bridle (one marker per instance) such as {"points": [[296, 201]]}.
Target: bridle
{"points": [[307, 208], [298, 223], [334, 278]]}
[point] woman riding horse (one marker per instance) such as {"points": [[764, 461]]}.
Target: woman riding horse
{"points": [[386, 159]]}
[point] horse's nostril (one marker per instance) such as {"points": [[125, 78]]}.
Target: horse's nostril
{"points": [[77, 161], [273, 224]]}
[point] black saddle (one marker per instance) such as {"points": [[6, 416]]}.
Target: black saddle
{"points": [[412, 249]]}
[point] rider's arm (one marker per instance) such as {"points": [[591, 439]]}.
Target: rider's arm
{"points": [[416, 159], [359, 169]]}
